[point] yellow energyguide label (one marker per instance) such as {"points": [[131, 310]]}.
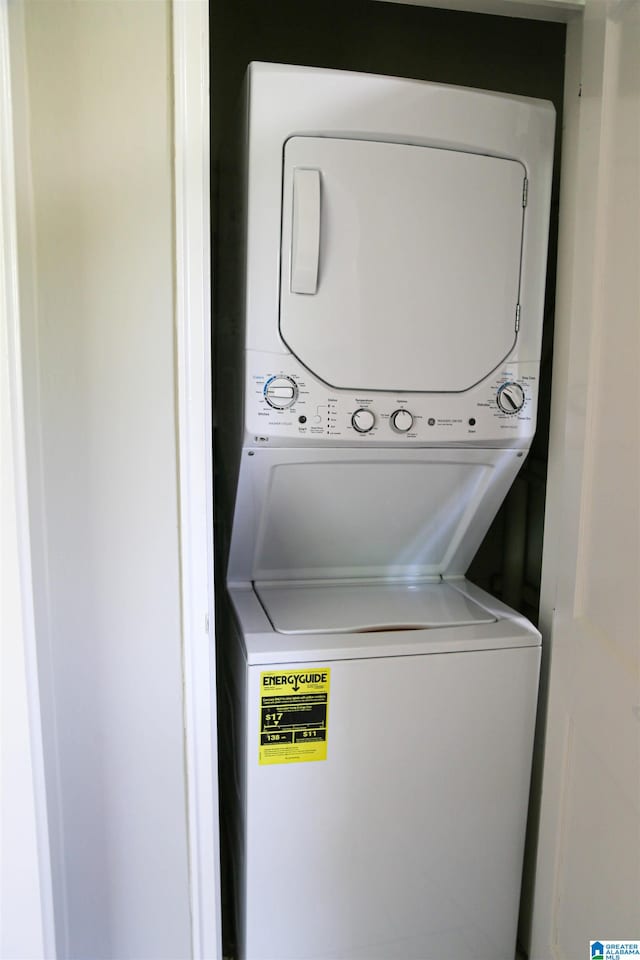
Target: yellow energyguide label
{"points": [[294, 714]]}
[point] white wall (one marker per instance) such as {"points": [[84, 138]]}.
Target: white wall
{"points": [[97, 277]]}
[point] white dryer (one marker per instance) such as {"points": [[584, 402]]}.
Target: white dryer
{"points": [[390, 327]]}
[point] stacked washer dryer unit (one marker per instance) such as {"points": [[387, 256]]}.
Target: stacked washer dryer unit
{"points": [[396, 237]]}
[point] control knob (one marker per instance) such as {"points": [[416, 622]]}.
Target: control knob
{"points": [[402, 421], [363, 420], [511, 397], [280, 392]]}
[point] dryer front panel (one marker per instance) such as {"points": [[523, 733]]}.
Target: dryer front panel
{"points": [[400, 265]]}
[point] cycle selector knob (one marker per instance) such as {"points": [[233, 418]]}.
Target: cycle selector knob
{"points": [[280, 392], [363, 420], [402, 421], [511, 397]]}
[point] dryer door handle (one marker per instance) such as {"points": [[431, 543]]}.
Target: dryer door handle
{"points": [[305, 231]]}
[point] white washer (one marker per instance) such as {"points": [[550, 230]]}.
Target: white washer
{"points": [[380, 707], [406, 842]]}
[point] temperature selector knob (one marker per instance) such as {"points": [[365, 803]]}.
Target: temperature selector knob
{"points": [[363, 420], [280, 392], [511, 397], [402, 421]]}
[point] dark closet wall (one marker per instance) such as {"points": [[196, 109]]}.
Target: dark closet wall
{"points": [[495, 53]]}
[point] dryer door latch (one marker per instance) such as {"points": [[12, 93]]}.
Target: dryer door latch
{"points": [[305, 235]]}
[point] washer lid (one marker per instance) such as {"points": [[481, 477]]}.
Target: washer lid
{"points": [[367, 607], [380, 514], [400, 265]]}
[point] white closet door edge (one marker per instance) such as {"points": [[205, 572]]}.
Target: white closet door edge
{"points": [[193, 359], [30, 926]]}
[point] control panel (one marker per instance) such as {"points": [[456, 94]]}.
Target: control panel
{"points": [[284, 403]]}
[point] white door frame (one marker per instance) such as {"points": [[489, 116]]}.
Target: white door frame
{"points": [[191, 91], [193, 342], [28, 928], [591, 160], [193, 374], [193, 360]]}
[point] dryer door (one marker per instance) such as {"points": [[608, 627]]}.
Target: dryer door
{"points": [[400, 264]]}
